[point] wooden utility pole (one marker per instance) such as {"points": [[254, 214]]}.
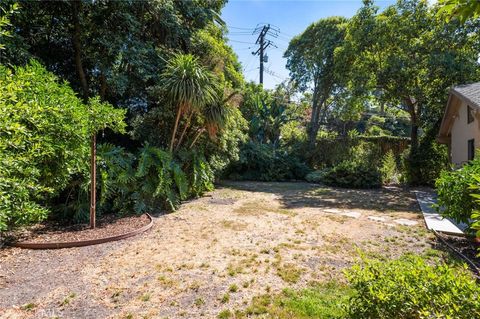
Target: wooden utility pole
{"points": [[93, 180], [264, 44]]}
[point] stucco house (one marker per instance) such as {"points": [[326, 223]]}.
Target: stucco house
{"points": [[460, 128]]}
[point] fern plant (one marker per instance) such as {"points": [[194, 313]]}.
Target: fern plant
{"points": [[162, 178], [202, 176]]}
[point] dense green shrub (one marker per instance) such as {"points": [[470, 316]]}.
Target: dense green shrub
{"points": [[331, 149], [265, 162], [44, 140], [389, 169], [351, 174], [141, 183], [424, 164], [407, 288], [453, 188], [160, 179], [316, 176], [201, 175], [411, 288], [475, 218]]}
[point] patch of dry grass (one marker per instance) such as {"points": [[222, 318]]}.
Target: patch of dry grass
{"points": [[234, 225]]}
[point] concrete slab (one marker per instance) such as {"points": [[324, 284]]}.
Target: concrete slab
{"points": [[433, 219], [405, 222], [377, 218], [351, 214], [332, 211]]}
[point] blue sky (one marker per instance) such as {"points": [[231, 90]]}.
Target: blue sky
{"points": [[291, 17]]}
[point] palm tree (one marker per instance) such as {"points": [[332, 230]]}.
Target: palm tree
{"points": [[189, 86], [215, 116]]}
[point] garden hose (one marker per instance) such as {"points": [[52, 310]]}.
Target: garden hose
{"points": [[470, 263]]}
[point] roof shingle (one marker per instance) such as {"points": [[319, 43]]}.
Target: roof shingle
{"points": [[469, 92]]}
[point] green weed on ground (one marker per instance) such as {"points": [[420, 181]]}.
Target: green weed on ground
{"points": [[326, 300]]}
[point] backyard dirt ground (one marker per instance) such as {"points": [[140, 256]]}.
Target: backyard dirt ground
{"points": [[215, 253]]}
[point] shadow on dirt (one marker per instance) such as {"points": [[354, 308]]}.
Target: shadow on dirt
{"points": [[307, 195]]}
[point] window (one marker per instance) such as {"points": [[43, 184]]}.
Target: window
{"points": [[469, 114], [471, 149]]}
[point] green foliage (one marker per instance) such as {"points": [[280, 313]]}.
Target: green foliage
{"points": [[389, 168], [187, 83], [201, 177], [310, 59], [351, 174], [17, 202], [331, 150], [316, 176], [5, 14], [209, 44], [319, 301], [411, 288], [460, 9], [188, 86], [226, 148], [44, 139], [424, 164], [146, 182], [454, 188], [268, 156], [264, 162], [161, 179], [326, 301], [405, 57], [475, 218]]}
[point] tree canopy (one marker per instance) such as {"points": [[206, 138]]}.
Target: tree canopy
{"points": [[311, 61]]}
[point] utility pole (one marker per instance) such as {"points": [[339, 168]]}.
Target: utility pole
{"points": [[264, 44]]}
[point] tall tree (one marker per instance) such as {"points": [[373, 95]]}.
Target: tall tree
{"points": [[190, 87], [311, 61], [460, 9], [407, 57], [123, 44]]}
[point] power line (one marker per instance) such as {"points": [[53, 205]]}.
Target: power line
{"points": [[239, 28], [263, 42], [236, 41]]}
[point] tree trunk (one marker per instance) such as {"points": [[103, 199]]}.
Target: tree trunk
{"points": [[197, 136], [184, 130], [77, 48], [413, 123], [93, 180], [175, 127], [313, 127]]}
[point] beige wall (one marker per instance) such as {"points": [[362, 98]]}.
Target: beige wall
{"points": [[461, 133]]}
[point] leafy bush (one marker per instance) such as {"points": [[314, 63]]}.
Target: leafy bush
{"points": [[424, 164], [160, 179], [145, 182], [201, 176], [389, 168], [264, 162], [350, 174], [359, 169], [44, 140], [411, 288], [453, 188], [316, 176]]}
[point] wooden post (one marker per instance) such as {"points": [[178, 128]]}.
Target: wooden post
{"points": [[93, 174]]}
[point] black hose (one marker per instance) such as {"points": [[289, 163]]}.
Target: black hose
{"points": [[470, 263]]}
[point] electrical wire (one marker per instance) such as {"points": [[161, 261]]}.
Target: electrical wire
{"points": [[236, 41], [240, 28]]}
